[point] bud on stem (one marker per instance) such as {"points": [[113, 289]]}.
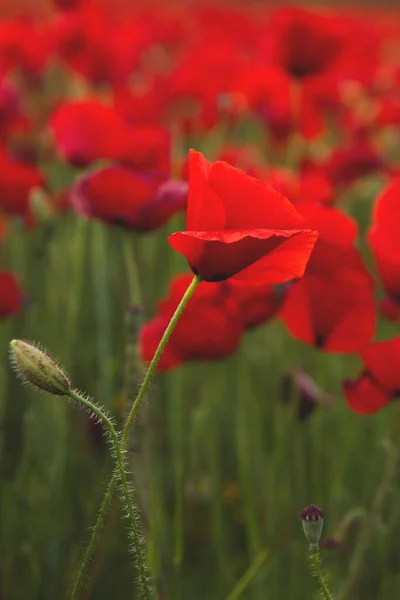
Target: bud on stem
{"points": [[38, 369], [312, 518]]}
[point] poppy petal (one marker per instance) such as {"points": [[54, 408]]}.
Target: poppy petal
{"points": [[364, 396], [382, 359], [285, 262], [251, 203], [218, 255], [205, 211]]}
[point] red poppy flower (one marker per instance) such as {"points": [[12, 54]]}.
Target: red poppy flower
{"points": [[10, 294], [147, 148], [365, 396], [85, 131], [209, 329], [332, 306], [386, 212], [346, 165], [305, 43], [239, 227], [23, 45], [384, 241], [335, 312], [119, 196], [16, 182], [380, 382]]}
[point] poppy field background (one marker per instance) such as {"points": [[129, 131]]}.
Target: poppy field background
{"points": [[269, 397]]}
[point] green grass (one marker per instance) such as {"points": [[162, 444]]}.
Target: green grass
{"points": [[223, 467]]}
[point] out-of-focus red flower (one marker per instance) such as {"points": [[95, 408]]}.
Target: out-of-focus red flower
{"points": [[380, 381], [3, 229], [335, 312], [265, 90], [383, 238], [314, 187], [23, 45], [142, 104], [333, 225], [258, 304], [68, 4], [17, 179], [87, 130], [332, 307], [304, 43], [238, 227], [100, 45], [120, 196], [210, 327], [12, 119], [10, 294], [147, 147], [346, 165]]}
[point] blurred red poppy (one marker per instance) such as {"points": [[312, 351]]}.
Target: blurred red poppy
{"points": [[304, 43], [347, 165], [233, 221], [10, 294], [87, 130], [383, 238], [17, 179], [209, 329], [380, 382], [335, 312], [120, 196], [258, 304]]}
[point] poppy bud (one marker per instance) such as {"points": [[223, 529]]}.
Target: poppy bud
{"points": [[313, 520], [38, 369]]}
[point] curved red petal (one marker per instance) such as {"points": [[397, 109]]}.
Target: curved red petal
{"points": [[386, 211], [285, 262], [382, 359], [364, 396], [205, 211], [219, 255], [251, 203]]}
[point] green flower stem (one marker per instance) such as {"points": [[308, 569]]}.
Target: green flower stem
{"points": [[156, 359], [127, 428], [120, 473], [319, 575]]}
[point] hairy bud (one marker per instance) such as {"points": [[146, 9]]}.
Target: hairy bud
{"points": [[38, 369]]}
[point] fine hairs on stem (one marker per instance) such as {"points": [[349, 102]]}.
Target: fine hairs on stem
{"points": [[97, 529], [317, 572], [37, 369], [138, 546]]}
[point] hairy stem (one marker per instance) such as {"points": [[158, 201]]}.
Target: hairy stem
{"points": [[127, 497], [127, 429], [156, 359], [319, 575]]}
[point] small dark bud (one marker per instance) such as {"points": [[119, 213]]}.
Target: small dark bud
{"points": [[312, 518]]}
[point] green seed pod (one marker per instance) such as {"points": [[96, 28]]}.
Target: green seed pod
{"points": [[312, 518], [36, 368]]}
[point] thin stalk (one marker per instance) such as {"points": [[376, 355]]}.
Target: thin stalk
{"points": [[156, 359], [357, 561], [319, 575], [248, 576], [94, 539], [137, 540]]}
